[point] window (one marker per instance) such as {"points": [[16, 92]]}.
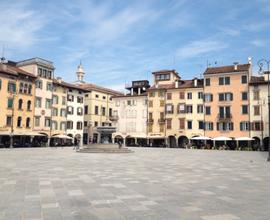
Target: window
{"points": [[63, 126], [209, 126], [129, 102], [181, 108], [38, 102], [97, 96], [257, 126], [69, 124], [47, 122], [244, 109], [256, 110], [161, 103], [181, 95], [162, 77], [11, 87], [201, 125], [225, 96], [150, 116], [200, 95], [55, 99], [64, 100], [29, 105], [224, 80], [8, 121], [181, 123], [79, 125], [169, 123], [30, 89], [189, 125], [39, 84], [208, 110], [86, 109], [70, 110], [19, 122], [104, 97], [244, 126], [244, 79], [161, 116], [110, 112], [256, 95], [96, 110], [189, 95], [37, 121], [160, 94], [152, 94], [169, 96], [54, 112], [207, 82], [28, 122], [49, 86], [85, 124], [79, 111], [70, 98], [224, 112], [96, 123], [208, 97], [48, 103], [10, 103], [39, 72], [150, 103], [20, 104], [225, 126], [54, 125], [244, 96], [79, 99], [63, 112], [189, 108], [199, 108], [169, 108]]}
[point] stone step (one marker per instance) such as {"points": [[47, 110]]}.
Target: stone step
{"points": [[105, 150]]}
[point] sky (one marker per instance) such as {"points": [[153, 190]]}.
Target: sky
{"points": [[118, 41]]}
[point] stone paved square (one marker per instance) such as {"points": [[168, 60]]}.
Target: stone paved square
{"points": [[152, 183]]}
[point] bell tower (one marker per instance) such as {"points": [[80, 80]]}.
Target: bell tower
{"points": [[80, 73]]}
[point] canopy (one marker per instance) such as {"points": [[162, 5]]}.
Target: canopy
{"points": [[201, 138], [62, 136], [138, 136], [244, 139], [4, 132], [156, 137], [33, 133], [221, 139]]}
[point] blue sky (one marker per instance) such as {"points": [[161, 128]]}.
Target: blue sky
{"points": [[119, 41]]}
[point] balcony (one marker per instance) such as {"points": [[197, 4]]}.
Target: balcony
{"points": [[113, 118], [150, 121], [224, 117], [161, 120]]}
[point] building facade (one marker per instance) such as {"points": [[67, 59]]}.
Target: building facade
{"points": [[130, 115]]}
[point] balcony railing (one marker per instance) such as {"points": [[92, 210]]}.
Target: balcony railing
{"points": [[224, 117], [161, 120], [150, 121], [113, 118]]}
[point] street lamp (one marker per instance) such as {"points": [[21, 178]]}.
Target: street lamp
{"points": [[261, 64]]}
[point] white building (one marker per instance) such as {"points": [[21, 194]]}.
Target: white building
{"points": [[130, 115]]}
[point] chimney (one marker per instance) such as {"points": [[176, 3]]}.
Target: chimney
{"points": [[235, 65], [250, 60], [176, 84], [195, 82]]}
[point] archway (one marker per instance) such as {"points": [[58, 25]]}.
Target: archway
{"points": [[265, 144], [182, 141], [130, 141], [256, 143], [172, 141], [118, 138], [4, 141]]}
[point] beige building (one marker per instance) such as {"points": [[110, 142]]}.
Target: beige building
{"points": [[17, 92], [130, 115], [172, 109]]}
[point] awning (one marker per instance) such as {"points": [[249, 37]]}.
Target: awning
{"points": [[138, 136], [156, 137], [244, 139], [5, 133], [201, 138], [62, 136], [221, 139], [32, 133]]}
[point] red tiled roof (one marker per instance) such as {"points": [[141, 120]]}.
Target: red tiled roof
{"points": [[68, 85], [90, 87], [182, 84], [227, 69], [8, 69], [255, 80]]}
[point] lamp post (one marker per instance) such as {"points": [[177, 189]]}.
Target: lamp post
{"points": [[261, 64]]}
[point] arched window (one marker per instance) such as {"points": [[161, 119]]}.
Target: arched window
{"points": [[28, 122], [19, 122], [79, 111], [30, 89], [25, 88], [29, 105], [20, 104]]}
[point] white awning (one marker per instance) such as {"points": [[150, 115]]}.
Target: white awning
{"points": [[244, 139], [201, 138], [221, 139], [138, 136], [156, 137], [4, 132], [62, 136], [33, 133]]}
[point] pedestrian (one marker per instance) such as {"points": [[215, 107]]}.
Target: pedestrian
{"points": [[119, 144], [78, 146]]}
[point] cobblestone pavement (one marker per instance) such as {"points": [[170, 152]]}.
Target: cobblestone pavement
{"points": [[156, 184]]}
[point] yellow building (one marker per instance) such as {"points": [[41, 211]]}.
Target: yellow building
{"points": [[172, 109], [17, 92]]}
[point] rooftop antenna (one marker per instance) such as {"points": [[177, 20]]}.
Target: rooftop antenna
{"points": [[3, 60]]}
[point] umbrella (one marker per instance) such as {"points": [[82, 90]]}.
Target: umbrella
{"points": [[244, 139], [62, 136], [222, 139]]}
